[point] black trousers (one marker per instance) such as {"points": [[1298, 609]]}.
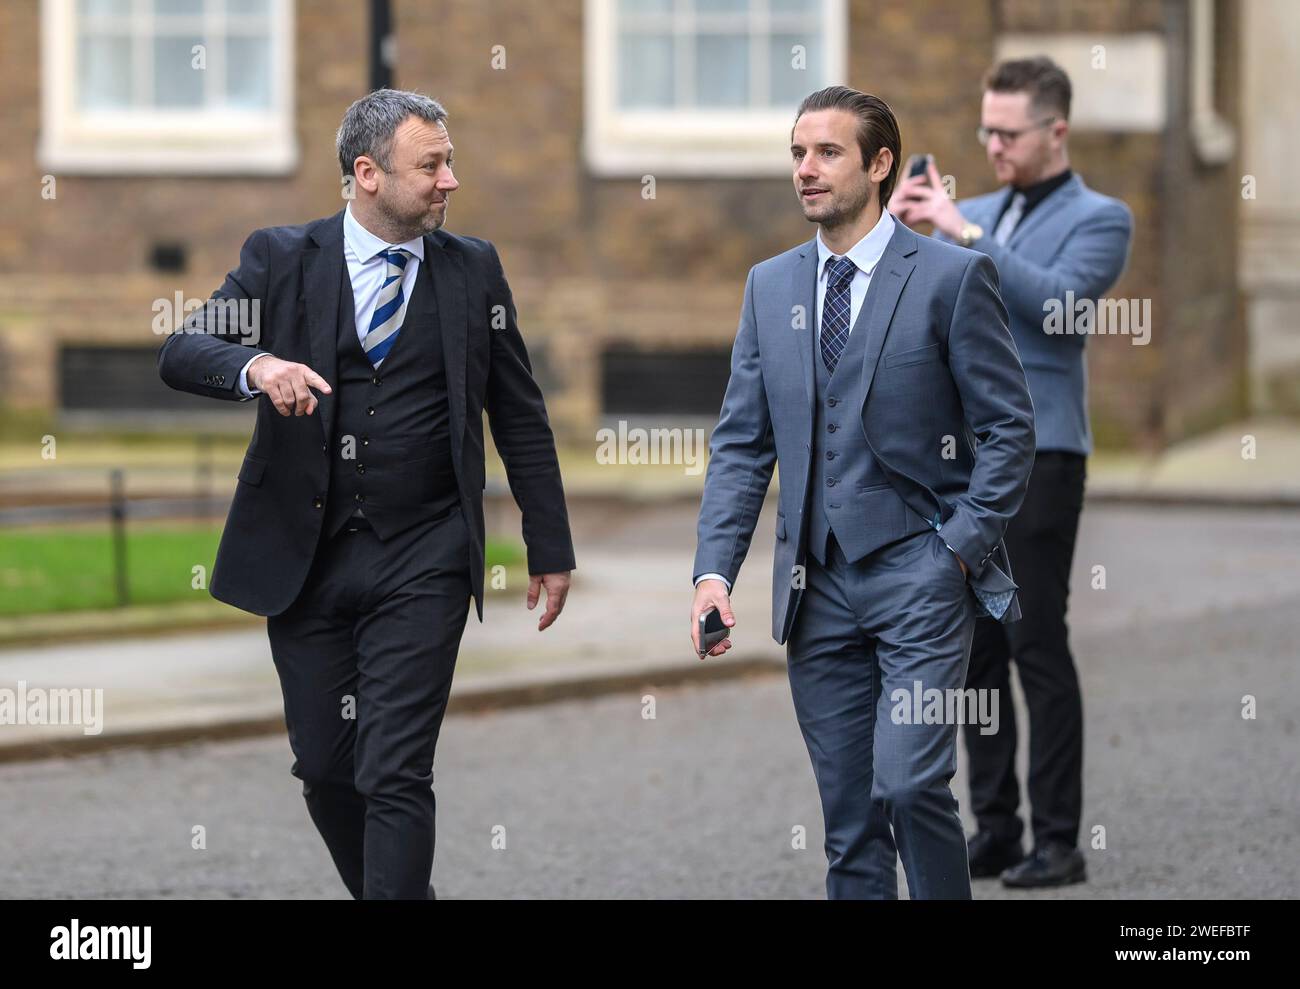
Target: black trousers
{"points": [[365, 656], [1040, 543]]}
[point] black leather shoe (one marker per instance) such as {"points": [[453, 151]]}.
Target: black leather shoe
{"points": [[1051, 865], [989, 856]]}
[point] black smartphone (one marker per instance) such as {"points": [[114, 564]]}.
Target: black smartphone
{"points": [[712, 631], [917, 165]]}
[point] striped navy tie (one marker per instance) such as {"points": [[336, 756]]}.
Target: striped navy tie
{"points": [[390, 307]]}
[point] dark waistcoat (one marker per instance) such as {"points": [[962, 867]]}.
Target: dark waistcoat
{"points": [[391, 449]]}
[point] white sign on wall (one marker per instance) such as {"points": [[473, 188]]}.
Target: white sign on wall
{"points": [[1118, 79]]}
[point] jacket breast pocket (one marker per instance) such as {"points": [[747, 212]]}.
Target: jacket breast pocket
{"points": [[920, 355]]}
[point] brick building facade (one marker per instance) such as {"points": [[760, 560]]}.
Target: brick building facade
{"points": [[629, 302]]}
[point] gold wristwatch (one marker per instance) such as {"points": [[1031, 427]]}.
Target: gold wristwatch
{"points": [[970, 232]]}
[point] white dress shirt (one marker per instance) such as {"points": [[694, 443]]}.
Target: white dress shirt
{"points": [[366, 270], [865, 254]]}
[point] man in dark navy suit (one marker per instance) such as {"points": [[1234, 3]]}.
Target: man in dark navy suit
{"points": [[359, 532]]}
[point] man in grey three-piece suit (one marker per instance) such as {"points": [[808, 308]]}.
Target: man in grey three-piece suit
{"points": [[875, 367]]}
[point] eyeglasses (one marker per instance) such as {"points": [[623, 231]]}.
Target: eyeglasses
{"points": [[1009, 136]]}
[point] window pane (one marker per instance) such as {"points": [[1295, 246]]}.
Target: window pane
{"points": [[109, 8], [165, 7], [175, 83], [104, 72], [789, 83], [794, 6], [645, 70], [645, 6], [248, 73], [721, 6], [722, 70], [247, 7]]}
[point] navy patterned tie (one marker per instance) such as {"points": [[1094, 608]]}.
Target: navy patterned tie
{"points": [[836, 309]]}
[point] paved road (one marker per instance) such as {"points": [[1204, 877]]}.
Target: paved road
{"points": [[595, 800]]}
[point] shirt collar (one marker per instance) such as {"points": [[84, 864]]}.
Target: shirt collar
{"points": [[366, 246], [867, 252], [1036, 193]]}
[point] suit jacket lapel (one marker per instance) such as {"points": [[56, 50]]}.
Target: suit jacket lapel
{"points": [[324, 272], [803, 293], [447, 268], [1042, 211], [887, 281]]}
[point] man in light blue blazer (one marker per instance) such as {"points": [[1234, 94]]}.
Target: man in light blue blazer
{"points": [[1058, 245], [874, 368]]}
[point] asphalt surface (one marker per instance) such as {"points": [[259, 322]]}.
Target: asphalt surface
{"points": [[595, 800]]}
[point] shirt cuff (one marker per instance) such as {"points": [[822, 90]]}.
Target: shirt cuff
{"points": [[243, 378], [713, 576], [939, 525]]}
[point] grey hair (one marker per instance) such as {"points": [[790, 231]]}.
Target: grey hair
{"points": [[370, 123]]}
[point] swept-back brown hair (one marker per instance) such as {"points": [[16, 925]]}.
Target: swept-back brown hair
{"points": [[877, 126]]}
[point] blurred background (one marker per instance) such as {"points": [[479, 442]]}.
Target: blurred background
{"points": [[629, 158]]}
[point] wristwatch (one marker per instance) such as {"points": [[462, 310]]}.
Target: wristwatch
{"points": [[969, 233]]}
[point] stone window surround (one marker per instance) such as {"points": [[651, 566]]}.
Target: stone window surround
{"points": [[726, 143], [183, 142]]}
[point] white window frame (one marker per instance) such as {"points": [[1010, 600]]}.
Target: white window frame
{"points": [[186, 141], [722, 142]]}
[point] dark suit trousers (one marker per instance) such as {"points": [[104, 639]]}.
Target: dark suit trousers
{"points": [[1040, 542], [365, 656]]}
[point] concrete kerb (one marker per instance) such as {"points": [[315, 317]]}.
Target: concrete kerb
{"points": [[475, 696]]}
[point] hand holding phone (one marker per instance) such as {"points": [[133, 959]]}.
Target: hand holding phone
{"points": [[918, 165], [921, 196], [712, 630], [711, 618]]}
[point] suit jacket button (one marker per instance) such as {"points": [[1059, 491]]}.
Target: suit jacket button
{"points": [[370, 411], [831, 427], [360, 497], [317, 502], [832, 402]]}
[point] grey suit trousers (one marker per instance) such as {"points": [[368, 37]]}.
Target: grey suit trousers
{"points": [[865, 630]]}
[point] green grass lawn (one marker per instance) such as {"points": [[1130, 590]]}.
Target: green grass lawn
{"points": [[54, 570]]}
